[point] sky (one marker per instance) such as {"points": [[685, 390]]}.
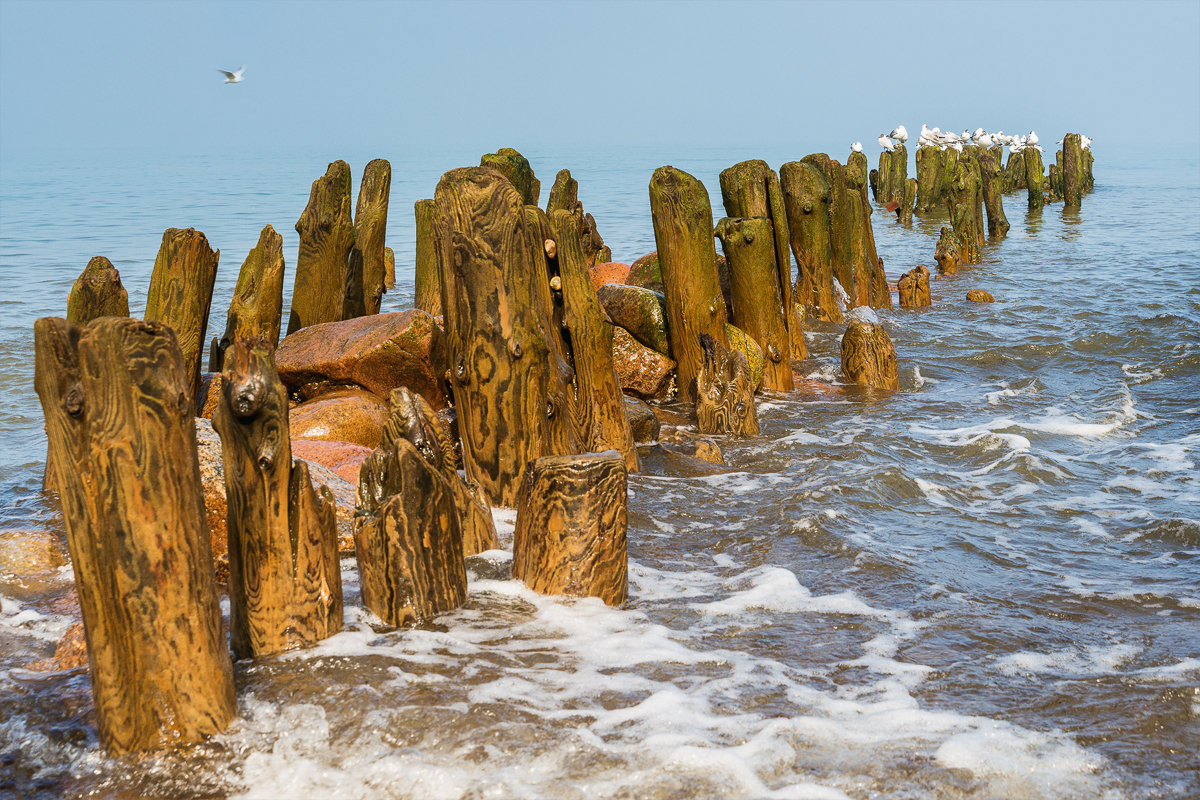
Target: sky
{"points": [[594, 74]]}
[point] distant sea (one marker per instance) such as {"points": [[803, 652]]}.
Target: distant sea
{"points": [[984, 585]]}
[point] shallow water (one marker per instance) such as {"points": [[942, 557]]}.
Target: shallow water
{"points": [[985, 585]]}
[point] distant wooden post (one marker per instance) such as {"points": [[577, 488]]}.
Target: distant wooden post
{"points": [[564, 194], [97, 292], [1073, 173], [965, 202], [991, 174], [1034, 178], [428, 284], [570, 532], [119, 418], [257, 304], [905, 212], [285, 581], [366, 265], [389, 268], [869, 357], [724, 392], [806, 197], [914, 288], [1014, 172], [181, 293], [326, 231], [899, 173], [683, 229], [930, 161]]}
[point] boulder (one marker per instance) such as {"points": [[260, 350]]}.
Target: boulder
{"points": [[30, 553], [643, 372], [642, 421], [640, 311], [342, 415], [609, 272], [379, 352], [343, 458], [740, 340], [71, 652], [980, 296], [646, 273]]}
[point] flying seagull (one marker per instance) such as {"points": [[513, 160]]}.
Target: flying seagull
{"points": [[233, 77]]}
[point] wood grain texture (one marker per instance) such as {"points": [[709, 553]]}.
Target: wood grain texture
{"points": [[599, 407], [511, 390], [806, 197], [757, 307], [285, 585], [991, 174], [564, 194], [571, 526], [181, 293], [326, 231], [1074, 175], [389, 268], [257, 305], [842, 223], [428, 282], [515, 167], [725, 392], [97, 292], [366, 266], [683, 228], [965, 204], [914, 288], [119, 418], [869, 357]]}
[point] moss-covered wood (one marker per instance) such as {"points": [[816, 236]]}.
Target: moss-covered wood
{"points": [[119, 419], [1014, 173], [285, 583], [599, 407], [509, 393], [965, 203], [806, 197], [97, 292], [515, 167], [893, 173], [389, 268], [1073, 172], [991, 175], [947, 252], [904, 213], [724, 391], [913, 287], [683, 228], [564, 194], [181, 293], [756, 305], [869, 357], [367, 267], [1034, 178], [257, 305], [428, 282], [842, 222], [930, 162], [327, 234], [569, 537]]}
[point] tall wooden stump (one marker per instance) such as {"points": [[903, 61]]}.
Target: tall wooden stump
{"points": [[929, 179], [724, 391], [905, 212], [428, 282], [1034, 178], [1089, 178], [119, 419], [869, 357], [991, 175], [1014, 172], [366, 265], [914, 288], [570, 532], [257, 304], [683, 228], [806, 197], [515, 167], [842, 223], [326, 231], [181, 293], [599, 406], [1073, 176], [965, 202], [285, 581], [899, 173], [97, 292], [389, 268], [757, 307], [510, 387]]}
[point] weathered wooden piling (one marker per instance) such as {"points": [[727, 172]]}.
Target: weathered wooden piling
{"points": [[913, 287], [257, 305], [389, 268], [806, 197], [181, 293], [841, 223], [97, 292], [947, 252], [904, 213], [991, 175], [366, 267], [1034, 178], [683, 228], [119, 420], [869, 357], [893, 174], [514, 166], [510, 387], [569, 537], [965, 203], [724, 391], [1014, 172], [1073, 174], [930, 161], [428, 280], [285, 581], [327, 234]]}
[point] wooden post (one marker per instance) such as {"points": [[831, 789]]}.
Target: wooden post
{"points": [[806, 198], [257, 304], [181, 293], [570, 532], [841, 224], [992, 176], [869, 357], [389, 268], [1073, 177], [515, 167], [724, 391], [899, 173], [366, 265], [1034, 178], [1014, 172], [326, 235], [428, 282], [507, 388], [883, 178], [965, 202], [757, 307], [905, 212], [860, 238], [119, 419], [564, 194], [97, 292], [599, 408], [947, 252], [683, 232], [914, 288], [285, 582], [929, 179]]}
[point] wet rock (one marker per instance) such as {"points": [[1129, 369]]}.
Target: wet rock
{"points": [[643, 372], [692, 445], [343, 415], [609, 272], [379, 352], [640, 311], [343, 458], [646, 273], [209, 393], [30, 553], [980, 296], [740, 340], [869, 357], [913, 287], [642, 421]]}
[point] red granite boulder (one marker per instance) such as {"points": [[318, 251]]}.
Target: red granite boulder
{"points": [[609, 272], [343, 458], [342, 415], [642, 372]]}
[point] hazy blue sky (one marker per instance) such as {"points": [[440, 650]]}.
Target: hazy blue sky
{"points": [[414, 75]]}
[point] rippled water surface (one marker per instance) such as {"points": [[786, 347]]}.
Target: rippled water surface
{"points": [[985, 585]]}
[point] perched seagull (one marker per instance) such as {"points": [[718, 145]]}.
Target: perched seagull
{"points": [[1031, 138], [886, 143], [899, 134], [856, 147], [984, 140], [978, 132], [233, 77], [1085, 143]]}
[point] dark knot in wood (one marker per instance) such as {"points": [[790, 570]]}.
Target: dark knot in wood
{"points": [[73, 402], [246, 397], [514, 347]]}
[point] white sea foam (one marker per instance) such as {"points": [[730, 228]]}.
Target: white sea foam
{"points": [[1091, 660]]}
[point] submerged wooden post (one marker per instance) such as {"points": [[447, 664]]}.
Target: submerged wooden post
{"points": [[599, 409], [570, 531], [97, 292], [991, 175], [869, 357], [841, 222], [914, 288], [965, 203], [326, 231], [905, 212], [515, 167], [181, 293], [947, 252], [119, 419], [724, 391], [285, 580], [428, 282], [509, 391], [257, 304], [683, 232], [366, 265], [1034, 178], [757, 307], [1073, 175], [806, 198]]}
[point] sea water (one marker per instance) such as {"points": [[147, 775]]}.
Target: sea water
{"points": [[984, 585]]}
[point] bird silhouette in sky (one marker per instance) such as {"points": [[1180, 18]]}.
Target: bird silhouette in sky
{"points": [[233, 77]]}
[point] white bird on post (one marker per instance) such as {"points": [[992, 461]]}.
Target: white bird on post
{"points": [[886, 143], [899, 134], [856, 147]]}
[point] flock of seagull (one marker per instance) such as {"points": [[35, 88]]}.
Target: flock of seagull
{"points": [[934, 137]]}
